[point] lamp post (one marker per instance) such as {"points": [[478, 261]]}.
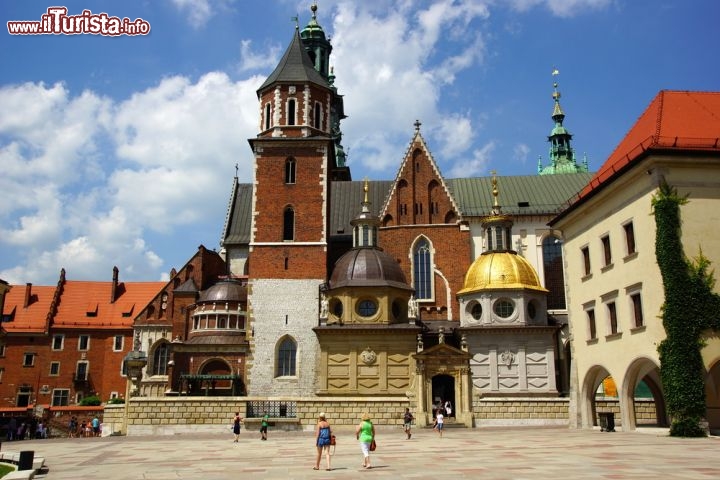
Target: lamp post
{"points": [[135, 361]]}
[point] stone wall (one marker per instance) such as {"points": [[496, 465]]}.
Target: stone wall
{"points": [[173, 415], [497, 411], [281, 308]]}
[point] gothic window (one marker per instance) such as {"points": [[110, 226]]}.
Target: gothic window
{"points": [[291, 112], [553, 270], [422, 270], [287, 352], [289, 224], [160, 359], [290, 170]]}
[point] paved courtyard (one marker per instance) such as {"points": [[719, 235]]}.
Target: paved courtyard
{"points": [[492, 453]]}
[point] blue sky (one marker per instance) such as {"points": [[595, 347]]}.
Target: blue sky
{"points": [[121, 150]]}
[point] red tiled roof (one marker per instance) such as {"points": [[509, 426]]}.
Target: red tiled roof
{"points": [[674, 120], [32, 319], [82, 305], [87, 304]]}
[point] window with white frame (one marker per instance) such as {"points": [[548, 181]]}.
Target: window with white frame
{"points": [[160, 359], [60, 397], [54, 369], [84, 342], [118, 343], [81, 371], [28, 359], [58, 341]]}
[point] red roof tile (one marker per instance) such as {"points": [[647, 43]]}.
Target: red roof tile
{"points": [[30, 319], [674, 120], [88, 305]]}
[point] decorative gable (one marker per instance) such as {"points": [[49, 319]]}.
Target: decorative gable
{"points": [[419, 195]]}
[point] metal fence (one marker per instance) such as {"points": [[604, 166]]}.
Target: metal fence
{"points": [[275, 409]]}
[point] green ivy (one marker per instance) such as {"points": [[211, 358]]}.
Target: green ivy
{"points": [[690, 308]]}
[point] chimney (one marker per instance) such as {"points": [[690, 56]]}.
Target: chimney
{"points": [[113, 292], [28, 294]]}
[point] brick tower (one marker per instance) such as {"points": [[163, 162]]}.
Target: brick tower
{"points": [[297, 153]]}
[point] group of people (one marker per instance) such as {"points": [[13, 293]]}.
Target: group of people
{"points": [[21, 430], [324, 439], [86, 428], [237, 420]]}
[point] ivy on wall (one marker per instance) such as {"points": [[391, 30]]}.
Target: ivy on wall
{"points": [[691, 307]]}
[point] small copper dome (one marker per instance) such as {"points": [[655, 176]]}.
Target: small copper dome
{"points": [[367, 267], [224, 291], [500, 270]]}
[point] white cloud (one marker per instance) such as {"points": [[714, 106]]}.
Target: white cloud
{"points": [[562, 8], [520, 153], [250, 60], [474, 166]]}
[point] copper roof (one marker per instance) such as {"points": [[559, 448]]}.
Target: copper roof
{"points": [[367, 267]]}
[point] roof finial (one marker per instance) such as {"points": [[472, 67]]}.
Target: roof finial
{"points": [[495, 190], [417, 126], [313, 8], [365, 189], [236, 170], [296, 19]]}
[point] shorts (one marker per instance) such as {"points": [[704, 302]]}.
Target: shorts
{"points": [[263, 429], [407, 425], [439, 426]]}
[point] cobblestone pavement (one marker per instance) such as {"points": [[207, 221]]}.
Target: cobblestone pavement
{"points": [[487, 453]]}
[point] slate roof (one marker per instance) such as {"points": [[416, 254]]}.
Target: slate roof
{"points": [[295, 67], [237, 225]]}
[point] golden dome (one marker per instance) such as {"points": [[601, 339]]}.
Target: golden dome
{"points": [[501, 270]]}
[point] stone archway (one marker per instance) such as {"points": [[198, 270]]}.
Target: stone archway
{"points": [[646, 371], [588, 408]]}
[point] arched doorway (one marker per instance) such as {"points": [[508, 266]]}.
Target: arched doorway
{"points": [[443, 390], [643, 403], [595, 398]]}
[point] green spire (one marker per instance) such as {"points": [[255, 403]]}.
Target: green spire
{"points": [[562, 155]]}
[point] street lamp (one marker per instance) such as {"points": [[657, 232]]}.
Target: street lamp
{"points": [[135, 361]]}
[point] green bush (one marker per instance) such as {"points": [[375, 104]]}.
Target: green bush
{"points": [[91, 401], [116, 401]]}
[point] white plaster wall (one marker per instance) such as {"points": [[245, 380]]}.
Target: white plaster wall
{"points": [[279, 308]]}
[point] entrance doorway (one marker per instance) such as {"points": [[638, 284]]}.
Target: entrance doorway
{"points": [[443, 391]]}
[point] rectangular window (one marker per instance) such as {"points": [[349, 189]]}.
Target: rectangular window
{"points": [[28, 360], [629, 237], [60, 397], [58, 341], [637, 310], [612, 318], [118, 343], [586, 259], [81, 371], [54, 369], [2, 349], [592, 329], [606, 250], [84, 342], [2, 370]]}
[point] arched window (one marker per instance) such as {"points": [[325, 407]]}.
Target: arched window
{"points": [[422, 270], [554, 276], [289, 224], [291, 112], [290, 170], [267, 116], [287, 351], [160, 359]]}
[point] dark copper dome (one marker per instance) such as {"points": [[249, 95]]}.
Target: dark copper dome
{"points": [[224, 291], [367, 267]]}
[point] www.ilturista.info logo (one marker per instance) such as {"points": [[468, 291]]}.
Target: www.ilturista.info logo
{"points": [[57, 22]]}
